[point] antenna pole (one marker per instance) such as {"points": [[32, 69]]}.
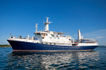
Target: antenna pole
{"points": [[36, 26]]}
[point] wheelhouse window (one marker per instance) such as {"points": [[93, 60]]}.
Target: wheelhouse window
{"points": [[38, 34]]}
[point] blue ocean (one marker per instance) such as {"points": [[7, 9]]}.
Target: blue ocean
{"points": [[93, 60]]}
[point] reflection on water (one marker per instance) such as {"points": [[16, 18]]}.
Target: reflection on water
{"points": [[53, 61], [95, 60]]}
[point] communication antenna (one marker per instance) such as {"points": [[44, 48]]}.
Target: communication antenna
{"points": [[36, 26]]}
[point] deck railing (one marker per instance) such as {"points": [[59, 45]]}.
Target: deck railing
{"points": [[23, 37]]}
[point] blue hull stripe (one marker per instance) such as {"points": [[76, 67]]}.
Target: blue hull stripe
{"points": [[18, 45]]}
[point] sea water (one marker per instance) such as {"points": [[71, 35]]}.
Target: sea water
{"points": [[93, 60]]}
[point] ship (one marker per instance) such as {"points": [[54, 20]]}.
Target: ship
{"points": [[51, 41]]}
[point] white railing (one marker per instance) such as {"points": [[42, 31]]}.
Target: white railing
{"points": [[22, 37]]}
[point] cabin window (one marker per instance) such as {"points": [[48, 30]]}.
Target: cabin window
{"points": [[42, 37], [38, 34], [36, 38], [52, 35]]}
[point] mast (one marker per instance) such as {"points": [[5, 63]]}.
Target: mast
{"points": [[79, 36], [47, 24], [36, 26]]}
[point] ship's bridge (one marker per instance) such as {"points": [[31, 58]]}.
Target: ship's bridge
{"points": [[50, 36]]}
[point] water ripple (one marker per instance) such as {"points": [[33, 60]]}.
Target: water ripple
{"points": [[94, 60]]}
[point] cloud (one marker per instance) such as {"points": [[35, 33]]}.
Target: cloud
{"points": [[99, 35], [96, 34]]}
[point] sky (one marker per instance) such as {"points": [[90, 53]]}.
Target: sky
{"points": [[18, 17]]}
